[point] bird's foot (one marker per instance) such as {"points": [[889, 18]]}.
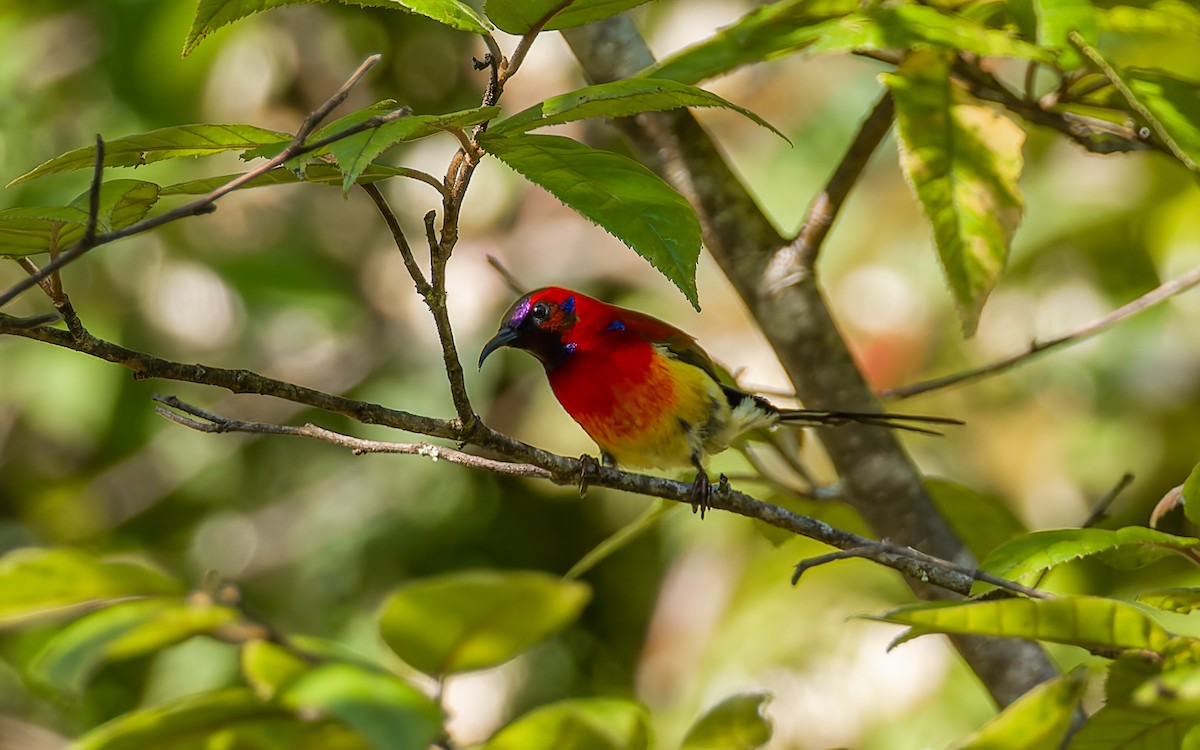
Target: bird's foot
{"points": [[702, 493], [588, 467]]}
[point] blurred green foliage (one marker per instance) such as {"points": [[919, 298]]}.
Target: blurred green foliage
{"points": [[302, 284]]}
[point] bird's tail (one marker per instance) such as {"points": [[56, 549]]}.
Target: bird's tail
{"points": [[824, 418]]}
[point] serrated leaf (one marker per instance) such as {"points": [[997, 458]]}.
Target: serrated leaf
{"points": [[963, 162], [44, 583], [736, 723], [122, 631], [268, 667], [1088, 622], [1056, 19], [520, 16], [1038, 720], [832, 26], [176, 142], [355, 153], [28, 230], [623, 98], [467, 621], [213, 14], [1024, 558], [981, 521], [1117, 728], [390, 713], [586, 724], [1181, 600], [452, 13], [764, 33], [180, 724], [620, 195]]}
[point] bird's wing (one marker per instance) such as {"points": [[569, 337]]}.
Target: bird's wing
{"points": [[671, 341]]}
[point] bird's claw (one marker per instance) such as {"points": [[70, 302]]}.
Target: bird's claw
{"points": [[588, 467], [701, 493]]}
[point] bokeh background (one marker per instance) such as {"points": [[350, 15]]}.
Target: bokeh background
{"points": [[301, 284]]}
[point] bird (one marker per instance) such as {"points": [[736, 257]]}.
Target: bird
{"points": [[645, 391]]}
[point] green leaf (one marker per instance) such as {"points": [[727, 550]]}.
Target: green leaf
{"points": [[1175, 103], [1088, 622], [1169, 18], [28, 230], [622, 98], [44, 583], [963, 161], [390, 713], [520, 16], [981, 521], [1181, 600], [829, 26], [185, 723], [1175, 692], [1117, 728], [452, 13], [159, 145], [317, 174], [268, 667], [355, 153], [1038, 720], [1024, 558], [123, 631], [213, 14], [626, 199], [766, 32], [586, 724], [1057, 18], [736, 723], [467, 621]]}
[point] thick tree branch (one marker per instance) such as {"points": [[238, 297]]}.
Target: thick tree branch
{"points": [[878, 476], [1159, 294]]}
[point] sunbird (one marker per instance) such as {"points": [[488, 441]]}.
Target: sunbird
{"points": [[644, 390]]}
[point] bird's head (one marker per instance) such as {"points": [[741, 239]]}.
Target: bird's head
{"points": [[538, 323]]}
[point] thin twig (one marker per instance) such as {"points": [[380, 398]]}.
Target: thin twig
{"points": [[1147, 300], [825, 206], [507, 71], [1131, 98], [515, 286], [1100, 509], [205, 421], [206, 204], [393, 223], [887, 553]]}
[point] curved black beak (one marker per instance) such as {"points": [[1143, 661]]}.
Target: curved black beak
{"points": [[503, 337]]}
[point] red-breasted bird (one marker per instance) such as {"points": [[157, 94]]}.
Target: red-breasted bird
{"points": [[644, 390]]}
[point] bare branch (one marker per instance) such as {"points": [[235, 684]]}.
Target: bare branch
{"points": [[825, 207], [1147, 300], [89, 230], [515, 286], [527, 39], [206, 204], [1100, 510], [208, 422], [393, 223]]}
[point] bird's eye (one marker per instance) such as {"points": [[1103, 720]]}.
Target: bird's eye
{"points": [[540, 313]]}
